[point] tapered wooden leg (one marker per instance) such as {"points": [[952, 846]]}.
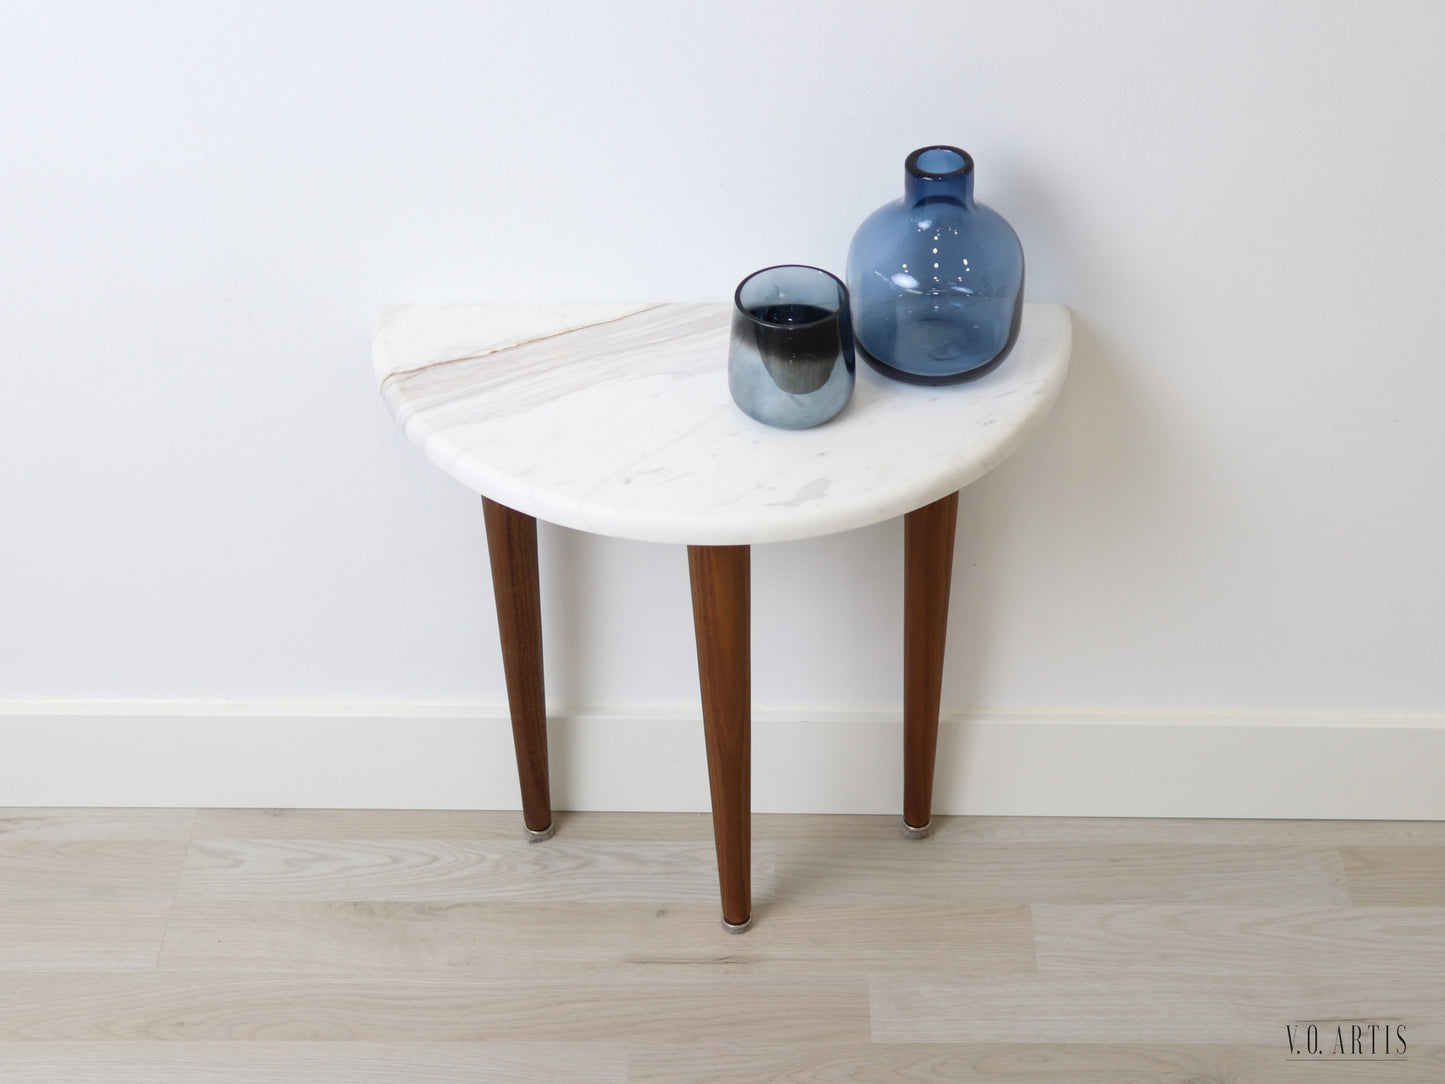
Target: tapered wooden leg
{"points": [[720, 611], [512, 544], [927, 576]]}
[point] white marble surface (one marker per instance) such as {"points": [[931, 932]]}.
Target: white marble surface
{"points": [[617, 420]]}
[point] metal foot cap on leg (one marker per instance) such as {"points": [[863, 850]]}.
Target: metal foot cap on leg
{"points": [[910, 832], [542, 836], [738, 927]]}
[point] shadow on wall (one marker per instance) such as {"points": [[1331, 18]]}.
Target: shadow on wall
{"points": [[1030, 530], [616, 621], [827, 619]]}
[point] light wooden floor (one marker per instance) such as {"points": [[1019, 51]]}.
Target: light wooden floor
{"points": [[193, 947]]}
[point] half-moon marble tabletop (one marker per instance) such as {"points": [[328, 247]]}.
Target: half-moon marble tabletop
{"points": [[617, 420]]}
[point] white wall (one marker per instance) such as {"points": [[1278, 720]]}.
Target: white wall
{"points": [[1236, 507]]}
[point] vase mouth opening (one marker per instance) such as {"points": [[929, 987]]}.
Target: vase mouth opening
{"points": [[937, 163]]}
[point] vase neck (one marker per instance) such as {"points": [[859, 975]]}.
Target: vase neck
{"points": [[941, 174]]}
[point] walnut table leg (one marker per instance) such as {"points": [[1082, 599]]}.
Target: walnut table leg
{"points": [[512, 545], [720, 610], [927, 576]]}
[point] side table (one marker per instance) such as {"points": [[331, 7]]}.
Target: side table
{"points": [[616, 420]]}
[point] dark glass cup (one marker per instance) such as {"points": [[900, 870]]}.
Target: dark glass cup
{"points": [[790, 363]]}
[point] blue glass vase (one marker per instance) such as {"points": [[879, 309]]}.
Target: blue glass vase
{"points": [[937, 280]]}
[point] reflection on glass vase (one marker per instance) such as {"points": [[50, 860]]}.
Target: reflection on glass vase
{"points": [[937, 280]]}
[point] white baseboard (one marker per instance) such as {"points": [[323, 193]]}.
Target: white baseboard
{"points": [[396, 756]]}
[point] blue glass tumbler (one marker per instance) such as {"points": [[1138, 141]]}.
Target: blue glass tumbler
{"points": [[937, 279], [790, 361]]}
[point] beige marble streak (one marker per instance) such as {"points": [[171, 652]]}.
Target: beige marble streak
{"points": [[678, 339]]}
